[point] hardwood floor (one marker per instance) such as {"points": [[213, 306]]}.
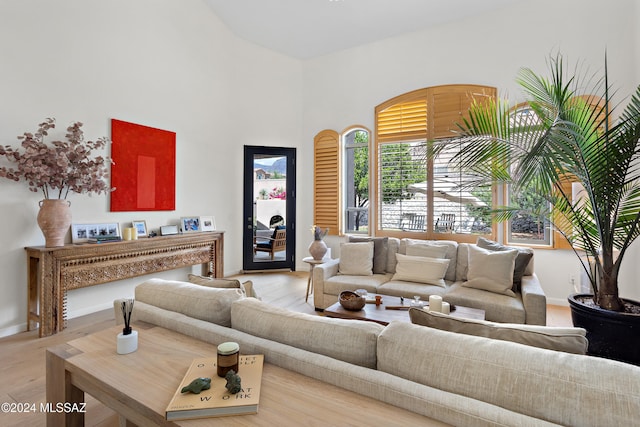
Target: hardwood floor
{"points": [[23, 355]]}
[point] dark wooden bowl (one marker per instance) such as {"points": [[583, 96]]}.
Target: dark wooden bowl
{"points": [[351, 301]]}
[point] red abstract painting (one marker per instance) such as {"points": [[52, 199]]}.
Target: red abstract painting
{"points": [[144, 173]]}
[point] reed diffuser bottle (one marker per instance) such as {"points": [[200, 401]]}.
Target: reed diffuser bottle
{"points": [[128, 338]]}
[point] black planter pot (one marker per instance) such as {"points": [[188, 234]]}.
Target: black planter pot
{"points": [[611, 334]]}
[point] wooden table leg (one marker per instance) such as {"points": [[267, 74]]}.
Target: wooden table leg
{"points": [[32, 292], [309, 283], [61, 391]]}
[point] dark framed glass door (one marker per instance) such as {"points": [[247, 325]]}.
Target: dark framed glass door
{"points": [[269, 208]]}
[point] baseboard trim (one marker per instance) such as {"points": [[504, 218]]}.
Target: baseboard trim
{"points": [[558, 301], [13, 330]]}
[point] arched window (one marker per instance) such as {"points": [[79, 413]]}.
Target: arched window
{"points": [[355, 183], [418, 196]]}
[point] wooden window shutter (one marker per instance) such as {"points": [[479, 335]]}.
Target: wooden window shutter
{"points": [[402, 118], [326, 181], [450, 104]]}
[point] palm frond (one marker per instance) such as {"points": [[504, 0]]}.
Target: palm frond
{"points": [[571, 135]]}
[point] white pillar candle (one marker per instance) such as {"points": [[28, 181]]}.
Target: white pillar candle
{"points": [[446, 308], [126, 234], [435, 303], [134, 233]]}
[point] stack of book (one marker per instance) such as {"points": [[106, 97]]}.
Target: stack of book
{"points": [[217, 400]]}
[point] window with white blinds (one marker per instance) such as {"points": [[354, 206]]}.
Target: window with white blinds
{"points": [[422, 197], [402, 166]]}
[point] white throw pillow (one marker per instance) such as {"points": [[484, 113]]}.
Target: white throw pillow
{"points": [[491, 271], [426, 250], [356, 259], [421, 269]]}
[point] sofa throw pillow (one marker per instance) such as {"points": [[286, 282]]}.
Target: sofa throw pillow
{"points": [[491, 271], [212, 282], [421, 269], [380, 249], [569, 340], [426, 250], [356, 259], [522, 260], [452, 252]]}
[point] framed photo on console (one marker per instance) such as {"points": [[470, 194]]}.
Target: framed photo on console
{"points": [[141, 227], [190, 224], [83, 233], [207, 223]]}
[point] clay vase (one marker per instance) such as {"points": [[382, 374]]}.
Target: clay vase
{"points": [[54, 219], [317, 249]]}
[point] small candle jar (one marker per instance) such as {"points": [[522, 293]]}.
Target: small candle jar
{"points": [[228, 358]]}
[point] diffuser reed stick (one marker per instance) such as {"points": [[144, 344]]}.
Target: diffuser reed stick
{"points": [[127, 308]]}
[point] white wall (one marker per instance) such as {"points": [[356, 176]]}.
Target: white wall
{"points": [[342, 89], [161, 63], [175, 66]]}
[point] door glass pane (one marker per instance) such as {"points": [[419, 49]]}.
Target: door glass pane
{"points": [[269, 207]]}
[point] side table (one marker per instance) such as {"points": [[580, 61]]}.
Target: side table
{"points": [[312, 263]]}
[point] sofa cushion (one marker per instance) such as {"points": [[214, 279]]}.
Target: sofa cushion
{"points": [[497, 307], [344, 282], [521, 263], [428, 250], [356, 259], [491, 271], [421, 269], [393, 246], [569, 340], [347, 340], [380, 245], [463, 263], [201, 302], [451, 254], [246, 286], [540, 383]]}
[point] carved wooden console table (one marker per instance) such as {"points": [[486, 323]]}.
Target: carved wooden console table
{"points": [[54, 271]]}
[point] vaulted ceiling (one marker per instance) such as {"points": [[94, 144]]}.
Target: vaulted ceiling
{"points": [[309, 28]]}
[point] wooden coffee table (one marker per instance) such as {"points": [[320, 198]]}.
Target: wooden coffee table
{"points": [[380, 313], [139, 386]]}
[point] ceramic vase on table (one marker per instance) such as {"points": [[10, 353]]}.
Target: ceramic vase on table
{"points": [[54, 219], [317, 249]]}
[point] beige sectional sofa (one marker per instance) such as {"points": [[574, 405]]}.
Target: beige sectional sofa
{"points": [[455, 378], [526, 305]]}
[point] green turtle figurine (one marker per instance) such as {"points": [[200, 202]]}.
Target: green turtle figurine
{"points": [[233, 382], [197, 385]]}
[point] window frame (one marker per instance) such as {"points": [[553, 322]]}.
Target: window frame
{"points": [[436, 126], [344, 146]]}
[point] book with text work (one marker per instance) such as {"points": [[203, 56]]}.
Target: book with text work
{"points": [[217, 400]]}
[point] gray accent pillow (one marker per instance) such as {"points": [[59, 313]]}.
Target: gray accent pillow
{"points": [[380, 248], [522, 260], [568, 340]]}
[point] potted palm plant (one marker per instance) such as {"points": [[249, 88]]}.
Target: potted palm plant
{"points": [[569, 134]]}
